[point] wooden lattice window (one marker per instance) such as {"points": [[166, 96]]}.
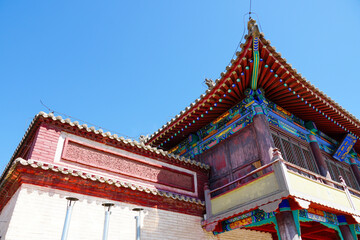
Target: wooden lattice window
{"points": [[295, 150], [338, 169]]}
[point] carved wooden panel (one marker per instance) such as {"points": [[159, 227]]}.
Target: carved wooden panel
{"points": [[93, 156]]}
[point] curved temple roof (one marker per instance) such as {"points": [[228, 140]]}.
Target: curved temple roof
{"points": [[282, 84]]}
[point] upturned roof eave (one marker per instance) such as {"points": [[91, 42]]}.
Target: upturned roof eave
{"points": [[203, 97], [349, 122], [334, 109]]}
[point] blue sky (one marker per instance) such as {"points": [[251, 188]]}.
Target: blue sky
{"points": [[130, 66]]}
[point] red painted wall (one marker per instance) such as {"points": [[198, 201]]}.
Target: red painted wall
{"points": [[45, 143], [232, 158], [46, 138]]}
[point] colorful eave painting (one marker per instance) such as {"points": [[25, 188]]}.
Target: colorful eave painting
{"points": [[258, 65]]}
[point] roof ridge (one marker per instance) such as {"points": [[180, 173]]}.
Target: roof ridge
{"points": [[122, 139], [106, 134]]}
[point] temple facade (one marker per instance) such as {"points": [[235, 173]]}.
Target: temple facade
{"points": [[262, 154]]}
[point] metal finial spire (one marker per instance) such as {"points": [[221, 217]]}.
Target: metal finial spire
{"points": [[250, 11]]}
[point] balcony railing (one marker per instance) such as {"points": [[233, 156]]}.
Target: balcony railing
{"points": [[275, 181]]}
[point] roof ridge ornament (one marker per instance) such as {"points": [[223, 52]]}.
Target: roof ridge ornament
{"points": [[210, 83], [253, 28], [143, 139], [254, 31]]}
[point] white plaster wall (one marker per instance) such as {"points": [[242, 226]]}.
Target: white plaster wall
{"points": [[39, 214], [6, 214]]}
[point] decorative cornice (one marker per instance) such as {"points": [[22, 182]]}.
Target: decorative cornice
{"points": [[103, 180]]}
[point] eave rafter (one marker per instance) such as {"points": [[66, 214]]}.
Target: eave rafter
{"points": [[282, 84], [228, 91], [315, 101]]}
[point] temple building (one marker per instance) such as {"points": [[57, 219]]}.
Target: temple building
{"points": [[262, 154]]}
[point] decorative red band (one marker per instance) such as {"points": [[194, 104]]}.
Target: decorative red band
{"points": [[100, 158]]}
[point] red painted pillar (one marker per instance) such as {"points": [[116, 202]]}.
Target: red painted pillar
{"points": [[320, 162], [263, 135], [355, 169], [287, 227], [346, 233]]}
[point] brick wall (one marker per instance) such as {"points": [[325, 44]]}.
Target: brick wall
{"points": [[39, 213], [45, 143], [98, 158]]}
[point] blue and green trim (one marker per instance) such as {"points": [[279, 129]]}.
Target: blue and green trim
{"points": [[284, 205], [258, 217], [240, 116], [255, 73], [253, 218], [345, 147], [355, 230], [329, 220]]}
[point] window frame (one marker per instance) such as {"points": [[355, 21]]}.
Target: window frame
{"points": [[346, 168], [302, 161]]}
